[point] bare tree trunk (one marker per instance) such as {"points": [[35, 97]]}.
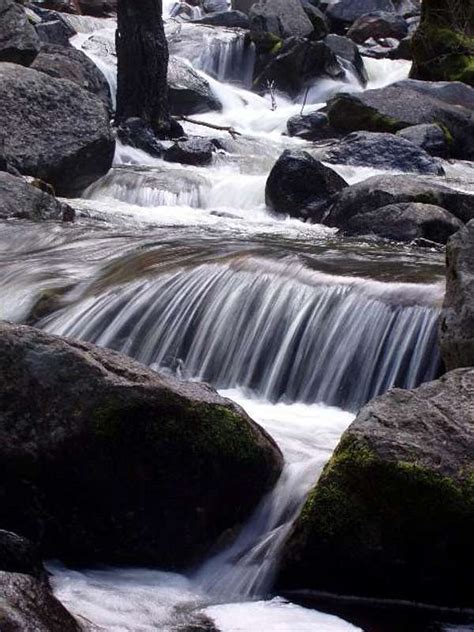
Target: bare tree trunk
{"points": [[142, 53]]}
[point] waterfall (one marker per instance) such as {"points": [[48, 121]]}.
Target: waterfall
{"points": [[281, 331], [229, 57]]}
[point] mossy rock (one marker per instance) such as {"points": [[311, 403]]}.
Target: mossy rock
{"points": [[104, 460], [393, 513]]}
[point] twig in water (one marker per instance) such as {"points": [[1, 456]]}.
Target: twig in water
{"points": [[221, 128]]}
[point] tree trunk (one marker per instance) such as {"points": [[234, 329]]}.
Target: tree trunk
{"points": [[142, 53], [443, 46]]}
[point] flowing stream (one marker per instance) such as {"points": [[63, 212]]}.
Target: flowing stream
{"points": [[184, 269]]}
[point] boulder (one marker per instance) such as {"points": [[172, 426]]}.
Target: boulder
{"points": [[456, 330], [382, 151], [378, 25], [194, 151], [28, 605], [243, 5], [430, 137], [189, 93], [69, 63], [406, 222], [64, 6], [98, 8], [136, 133], [392, 515], [19, 555], [19, 42], [23, 201], [311, 126], [53, 32], [227, 19], [299, 63], [343, 13], [379, 191], [318, 20], [345, 48], [107, 461], [283, 18], [409, 103], [54, 130], [214, 6], [299, 184]]}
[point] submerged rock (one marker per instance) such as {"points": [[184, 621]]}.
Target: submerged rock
{"points": [[194, 151], [298, 185], [136, 133], [392, 515], [379, 191], [105, 460], [19, 42], [23, 201], [53, 130], [382, 151], [405, 222], [457, 319]]}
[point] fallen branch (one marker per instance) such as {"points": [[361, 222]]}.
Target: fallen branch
{"points": [[221, 128]]}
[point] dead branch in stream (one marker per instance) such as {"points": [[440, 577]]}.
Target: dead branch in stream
{"points": [[221, 128]]}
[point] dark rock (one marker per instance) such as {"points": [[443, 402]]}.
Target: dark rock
{"points": [[410, 103], [379, 191], [430, 137], [345, 48], [69, 63], [379, 49], [243, 5], [19, 555], [382, 151], [343, 13], [283, 18], [54, 32], [28, 605], [19, 42], [377, 25], [311, 126], [170, 465], [403, 50], [392, 515], [318, 20], [299, 63], [188, 92], [406, 222], [456, 330], [228, 19], [136, 133], [54, 131], [195, 151], [214, 6], [98, 8], [64, 6], [23, 201], [298, 184]]}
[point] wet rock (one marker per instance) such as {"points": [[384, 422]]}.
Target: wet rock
{"points": [[403, 50], [409, 103], [430, 137], [299, 63], [65, 6], [382, 151], [214, 6], [69, 63], [343, 13], [195, 151], [299, 184], [243, 5], [19, 555], [228, 19], [311, 126], [378, 25], [188, 92], [54, 130], [405, 222], [136, 133], [318, 20], [170, 465], [98, 8], [21, 200], [19, 42], [457, 319], [53, 32], [379, 191], [392, 515], [345, 48], [283, 18]]}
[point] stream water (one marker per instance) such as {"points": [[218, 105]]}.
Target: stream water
{"points": [[185, 269]]}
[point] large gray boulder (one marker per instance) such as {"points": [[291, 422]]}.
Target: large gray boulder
{"points": [[104, 460], [345, 12], [410, 103], [299, 184], [63, 62], [428, 136], [382, 151], [457, 319], [21, 200], [53, 130], [189, 93], [379, 191], [392, 515], [283, 18], [19, 42], [406, 222]]}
